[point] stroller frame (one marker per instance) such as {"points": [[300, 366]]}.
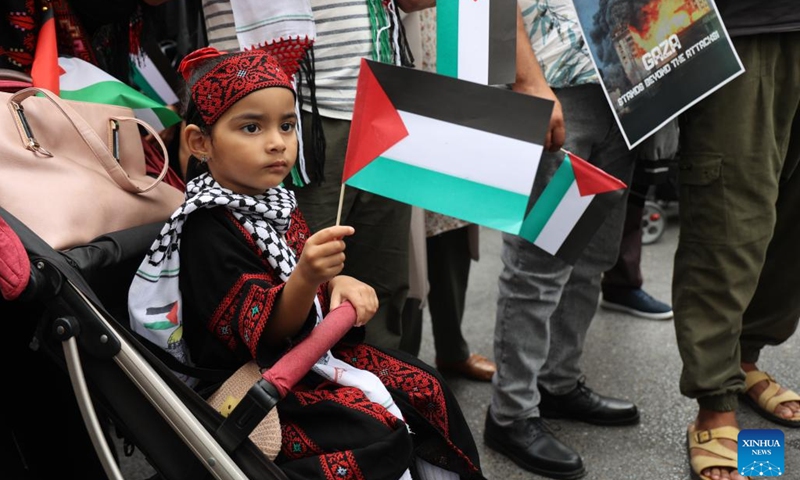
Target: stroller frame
{"points": [[178, 432]]}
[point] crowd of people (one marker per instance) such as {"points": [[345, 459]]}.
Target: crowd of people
{"points": [[270, 240]]}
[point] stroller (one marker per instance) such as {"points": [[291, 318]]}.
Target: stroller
{"points": [[73, 306], [74, 352]]}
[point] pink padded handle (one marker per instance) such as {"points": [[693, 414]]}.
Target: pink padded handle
{"points": [[294, 365], [15, 266]]}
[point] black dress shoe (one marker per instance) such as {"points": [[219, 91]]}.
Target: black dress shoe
{"points": [[584, 405], [532, 446]]}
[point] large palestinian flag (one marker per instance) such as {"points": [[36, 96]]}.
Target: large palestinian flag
{"points": [[470, 151], [571, 208], [454, 147], [82, 81], [476, 40]]}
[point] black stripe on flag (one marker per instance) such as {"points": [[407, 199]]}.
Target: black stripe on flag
{"points": [[583, 231], [468, 104], [502, 41]]}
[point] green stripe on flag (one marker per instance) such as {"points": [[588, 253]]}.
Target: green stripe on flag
{"points": [[165, 325], [117, 93], [447, 37], [142, 83], [438, 192], [168, 117], [546, 204]]}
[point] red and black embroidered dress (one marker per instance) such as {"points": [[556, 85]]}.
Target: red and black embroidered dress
{"points": [[329, 431]]}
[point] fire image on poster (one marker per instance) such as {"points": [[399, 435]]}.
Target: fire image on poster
{"points": [[656, 58]]}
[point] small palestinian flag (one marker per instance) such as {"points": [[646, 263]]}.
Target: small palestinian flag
{"points": [[44, 71], [155, 77], [571, 208], [476, 40], [84, 82], [466, 150]]}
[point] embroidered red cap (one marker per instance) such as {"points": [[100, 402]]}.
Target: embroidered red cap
{"points": [[235, 76]]}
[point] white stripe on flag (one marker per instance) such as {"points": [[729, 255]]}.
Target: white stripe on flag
{"points": [[563, 220], [80, 74], [149, 116], [153, 76], [473, 40], [502, 162]]}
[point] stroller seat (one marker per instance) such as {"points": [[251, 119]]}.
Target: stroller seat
{"points": [[74, 312]]}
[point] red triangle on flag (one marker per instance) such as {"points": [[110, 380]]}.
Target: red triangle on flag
{"points": [[592, 180], [172, 316], [45, 70], [376, 125]]}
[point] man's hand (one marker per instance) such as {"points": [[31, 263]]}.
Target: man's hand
{"points": [[530, 80], [556, 132], [359, 294]]}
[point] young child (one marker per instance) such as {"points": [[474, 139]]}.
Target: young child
{"points": [[235, 276]]}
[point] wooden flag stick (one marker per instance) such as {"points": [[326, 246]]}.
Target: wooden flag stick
{"points": [[341, 203]]}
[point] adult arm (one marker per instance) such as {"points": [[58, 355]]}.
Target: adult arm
{"points": [[530, 80]]}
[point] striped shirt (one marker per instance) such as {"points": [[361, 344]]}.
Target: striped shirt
{"points": [[220, 30], [344, 36], [556, 38]]}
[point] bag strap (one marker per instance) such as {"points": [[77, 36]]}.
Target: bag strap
{"points": [[89, 137]]}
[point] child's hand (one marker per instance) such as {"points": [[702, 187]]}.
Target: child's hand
{"points": [[323, 255], [358, 293]]}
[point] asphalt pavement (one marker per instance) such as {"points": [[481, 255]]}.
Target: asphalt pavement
{"points": [[624, 356]]}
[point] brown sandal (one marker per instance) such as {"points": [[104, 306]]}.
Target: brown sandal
{"points": [[769, 399], [708, 440]]}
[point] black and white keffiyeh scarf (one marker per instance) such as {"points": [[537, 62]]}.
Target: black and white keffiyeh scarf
{"points": [[154, 299]]}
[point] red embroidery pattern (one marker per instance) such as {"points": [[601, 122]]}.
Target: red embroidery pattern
{"points": [[23, 29], [288, 52], [234, 77], [298, 233], [222, 322], [352, 398], [72, 36], [295, 444], [340, 466], [254, 313], [424, 391]]}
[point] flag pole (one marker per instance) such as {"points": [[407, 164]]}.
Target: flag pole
{"points": [[341, 202]]}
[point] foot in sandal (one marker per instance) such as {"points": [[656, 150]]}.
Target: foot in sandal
{"points": [[712, 442], [769, 399]]}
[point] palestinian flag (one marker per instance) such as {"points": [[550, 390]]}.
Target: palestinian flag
{"points": [[571, 208], [154, 77], [84, 82], [459, 148], [44, 71], [476, 40]]}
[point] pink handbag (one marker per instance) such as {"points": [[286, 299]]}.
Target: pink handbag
{"points": [[64, 181]]}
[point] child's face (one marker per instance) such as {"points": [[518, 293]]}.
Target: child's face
{"points": [[254, 144]]}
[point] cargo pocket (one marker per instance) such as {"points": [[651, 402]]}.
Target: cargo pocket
{"points": [[702, 197]]}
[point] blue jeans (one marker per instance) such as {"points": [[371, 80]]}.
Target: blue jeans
{"points": [[545, 306]]}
